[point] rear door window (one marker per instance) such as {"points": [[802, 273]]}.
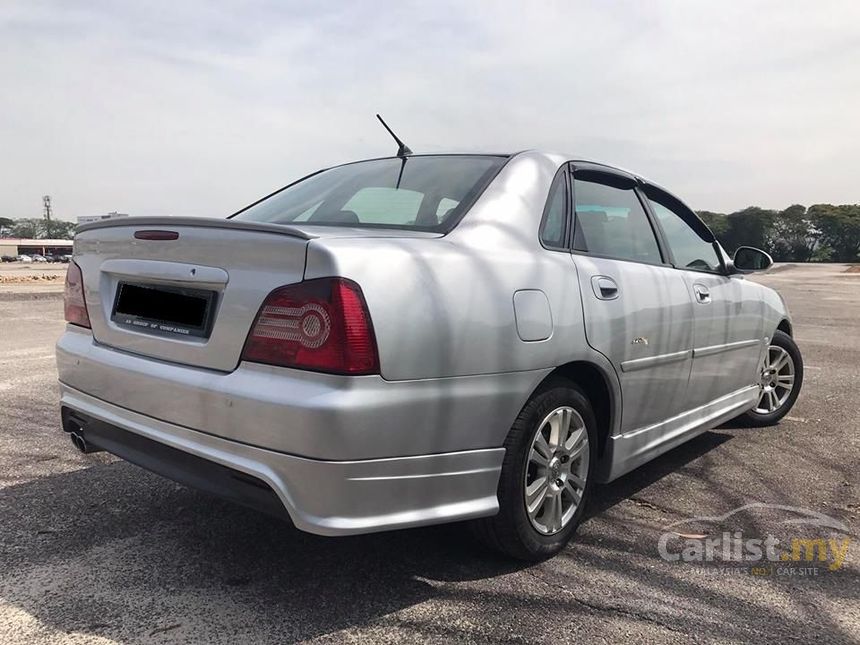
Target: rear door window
{"points": [[611, 222]]}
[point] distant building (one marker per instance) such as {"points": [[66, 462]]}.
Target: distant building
{"points": [[14, 246], [89, 219]]}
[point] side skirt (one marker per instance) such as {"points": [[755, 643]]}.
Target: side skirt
{"points": [[632, 449]]}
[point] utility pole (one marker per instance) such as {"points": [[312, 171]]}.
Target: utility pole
{"points": [[46, 213]]}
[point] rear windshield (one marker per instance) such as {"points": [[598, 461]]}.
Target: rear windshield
{"points": [[427, 193]]}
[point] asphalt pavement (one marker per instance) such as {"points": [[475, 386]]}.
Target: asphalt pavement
{"points": [[95, 550]]}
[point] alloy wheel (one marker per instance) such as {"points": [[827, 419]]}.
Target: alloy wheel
{"points": [[776, 380], [556, 470]]}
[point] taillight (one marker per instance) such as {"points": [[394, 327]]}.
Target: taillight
{"points": [[320, 325], [74, 306]]}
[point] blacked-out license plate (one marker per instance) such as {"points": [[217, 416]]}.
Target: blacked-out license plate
{"points": [[164, 310]]}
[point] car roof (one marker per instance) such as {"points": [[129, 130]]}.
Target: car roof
{"points": [[557, 157]]}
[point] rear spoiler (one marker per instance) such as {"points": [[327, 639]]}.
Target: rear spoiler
{"points": [[201, 222]]}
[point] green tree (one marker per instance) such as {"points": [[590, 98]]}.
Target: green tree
{"points": [[30, 228], [37, 228], [717, 222], [840, 229], [794, 237], [6, 225], [751, 226], [60, 230]]}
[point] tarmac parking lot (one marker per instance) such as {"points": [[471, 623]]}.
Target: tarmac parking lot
{"points": [[95, 550]]}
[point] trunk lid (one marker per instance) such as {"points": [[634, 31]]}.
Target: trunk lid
{"points": [[189, 300]]}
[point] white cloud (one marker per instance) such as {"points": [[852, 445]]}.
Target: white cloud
{"points": [[198, 108]]}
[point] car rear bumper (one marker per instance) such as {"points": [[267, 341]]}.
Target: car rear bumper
{"points": [[320, 416], [320, 496], [340, 454]]}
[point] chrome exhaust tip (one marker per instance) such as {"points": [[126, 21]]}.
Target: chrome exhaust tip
{"points": [[80, 442]]}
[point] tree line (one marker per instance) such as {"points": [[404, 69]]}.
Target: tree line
{"points": [[820, 233], [36, 228]]}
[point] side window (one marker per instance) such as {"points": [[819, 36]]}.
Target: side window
{"points": [[611, 221], [689, 250], [555, 215], [445, 206]]}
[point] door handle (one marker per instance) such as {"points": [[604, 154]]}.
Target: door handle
{"points": [[703, 295], [604, 288]]}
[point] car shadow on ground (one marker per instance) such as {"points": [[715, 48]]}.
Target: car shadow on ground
{"points": [[115, 551], [608, 495]]}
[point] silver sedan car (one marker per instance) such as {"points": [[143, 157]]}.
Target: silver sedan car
{"points": [[421, 339]]}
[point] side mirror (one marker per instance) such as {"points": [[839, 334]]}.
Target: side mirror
{"points": [[748, 259]]}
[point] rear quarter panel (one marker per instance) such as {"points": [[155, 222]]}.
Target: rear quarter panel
{"points": [[441, 309], [445, 307]]}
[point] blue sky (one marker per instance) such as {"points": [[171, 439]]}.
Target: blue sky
{"points": [[197, 108]]}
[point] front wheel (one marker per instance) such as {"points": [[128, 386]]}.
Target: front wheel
{"points": [[546, 476], [780, 379]]}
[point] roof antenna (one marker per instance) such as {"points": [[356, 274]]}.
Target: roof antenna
{"points": [[403, 150]]}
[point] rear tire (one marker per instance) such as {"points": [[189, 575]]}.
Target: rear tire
{"points": [[550, 473], [780, 380]]}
